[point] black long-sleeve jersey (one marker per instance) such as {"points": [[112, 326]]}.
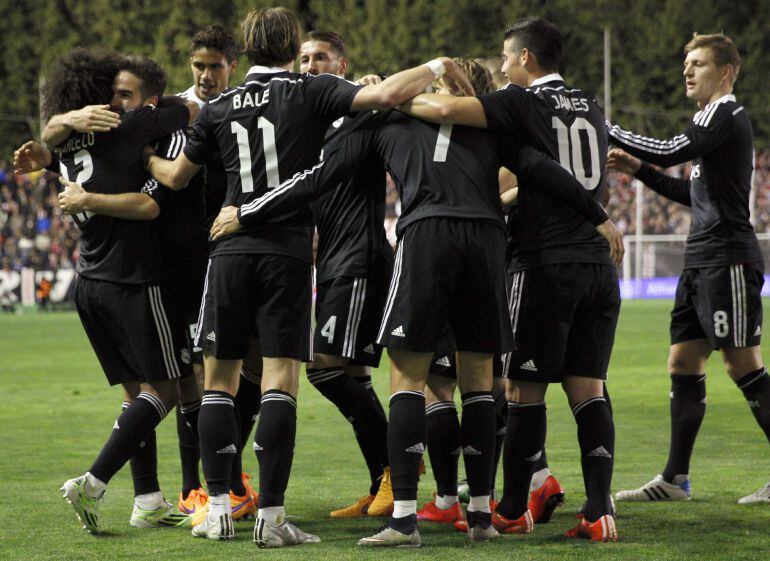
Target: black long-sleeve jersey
{"points": [[720, 143], [350, 218], [568, 126], [267, 129], [441, 171], [114, 249]]}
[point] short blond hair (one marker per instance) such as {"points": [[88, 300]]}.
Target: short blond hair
{"points": [[722, 47], [271, 36], [478, 74]]}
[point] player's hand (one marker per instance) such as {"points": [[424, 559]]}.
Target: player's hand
{"points": [[369, 80], [619, 160], [93, 118], [226, 223], [31, 156], [608, 230], [73, 199], [453, 71]]}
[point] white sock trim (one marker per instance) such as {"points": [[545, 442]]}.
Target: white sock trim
{"points": [[479, 504], [445, 502], [272, 515], [404, 508], [219, 505]]}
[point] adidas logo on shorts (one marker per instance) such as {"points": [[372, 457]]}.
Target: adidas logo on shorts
{"points": [[211, 337], [256, 447], [369, 349], [529, 365], [758, 331], [229, 449], [600, 452], [398, 332], [418, 448]]}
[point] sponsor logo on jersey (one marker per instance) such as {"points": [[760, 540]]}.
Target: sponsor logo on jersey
{"points": [[398, 331], [529, 365]]}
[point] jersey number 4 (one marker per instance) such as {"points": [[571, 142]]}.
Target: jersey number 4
{"points": [[244, 154], [572, 151]]}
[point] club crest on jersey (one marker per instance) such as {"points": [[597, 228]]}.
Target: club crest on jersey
{"points": [[249, 99]]}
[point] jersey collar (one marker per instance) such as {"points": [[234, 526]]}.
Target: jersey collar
{"points": [[726, 97], [257, 69], [190, 94], [555, 77]]}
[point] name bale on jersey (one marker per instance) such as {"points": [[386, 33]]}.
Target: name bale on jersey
{"points": [[569, 103], [248, 99], [79, 142]]}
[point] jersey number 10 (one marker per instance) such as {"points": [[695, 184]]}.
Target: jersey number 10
{"points": [[572, 149]]}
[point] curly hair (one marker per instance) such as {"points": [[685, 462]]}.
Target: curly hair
{"points": [[79, 78]]}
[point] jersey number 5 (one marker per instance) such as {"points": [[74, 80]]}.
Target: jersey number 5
{"points": [[572, 150], [244, 154]]}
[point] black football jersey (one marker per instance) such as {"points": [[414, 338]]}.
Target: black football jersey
{"points": [[441, 171], [350, 218], [568, 126], [113, 249], [720, 144], [267, 129]]}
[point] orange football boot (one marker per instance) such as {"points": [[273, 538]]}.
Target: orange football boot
{"points": [[544, 500], [603, 530]]}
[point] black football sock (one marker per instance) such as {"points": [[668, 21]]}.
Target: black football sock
{"points": [[756, 389], [607, 397], [444, 445], [144, 464], [189, 450], [596, 436], [478, 440], [501, 420], [369, 453], [274, 445], [688, 407], [524, 439], [247, 402], [406, 442], [218, 434], [131, 429], [236, 470], [355, 404]]}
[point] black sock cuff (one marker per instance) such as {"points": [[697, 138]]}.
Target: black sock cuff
{"points": [[745, 382], [125, 405], [407, 394], [214, 397], [250, 377], [588, 404], [516, 408], [501, 405], [277, 396], [190, 407], [156, 402], [320, 375], [477, 398], [440, 408], [687, 380]]}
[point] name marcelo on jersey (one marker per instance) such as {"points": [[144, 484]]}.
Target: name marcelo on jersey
{"points": [[78, 143], [248, 99]]}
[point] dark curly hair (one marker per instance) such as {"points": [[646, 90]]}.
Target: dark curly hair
{"points": [[79, 78]]}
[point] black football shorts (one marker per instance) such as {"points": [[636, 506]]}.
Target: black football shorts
{"points": [[564, 318], [721, 304]]}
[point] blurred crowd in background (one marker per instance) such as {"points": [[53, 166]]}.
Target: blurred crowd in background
{"points": [[34, 234]]}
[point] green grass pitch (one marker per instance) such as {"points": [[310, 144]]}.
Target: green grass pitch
{"points": [[56, 410]]}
